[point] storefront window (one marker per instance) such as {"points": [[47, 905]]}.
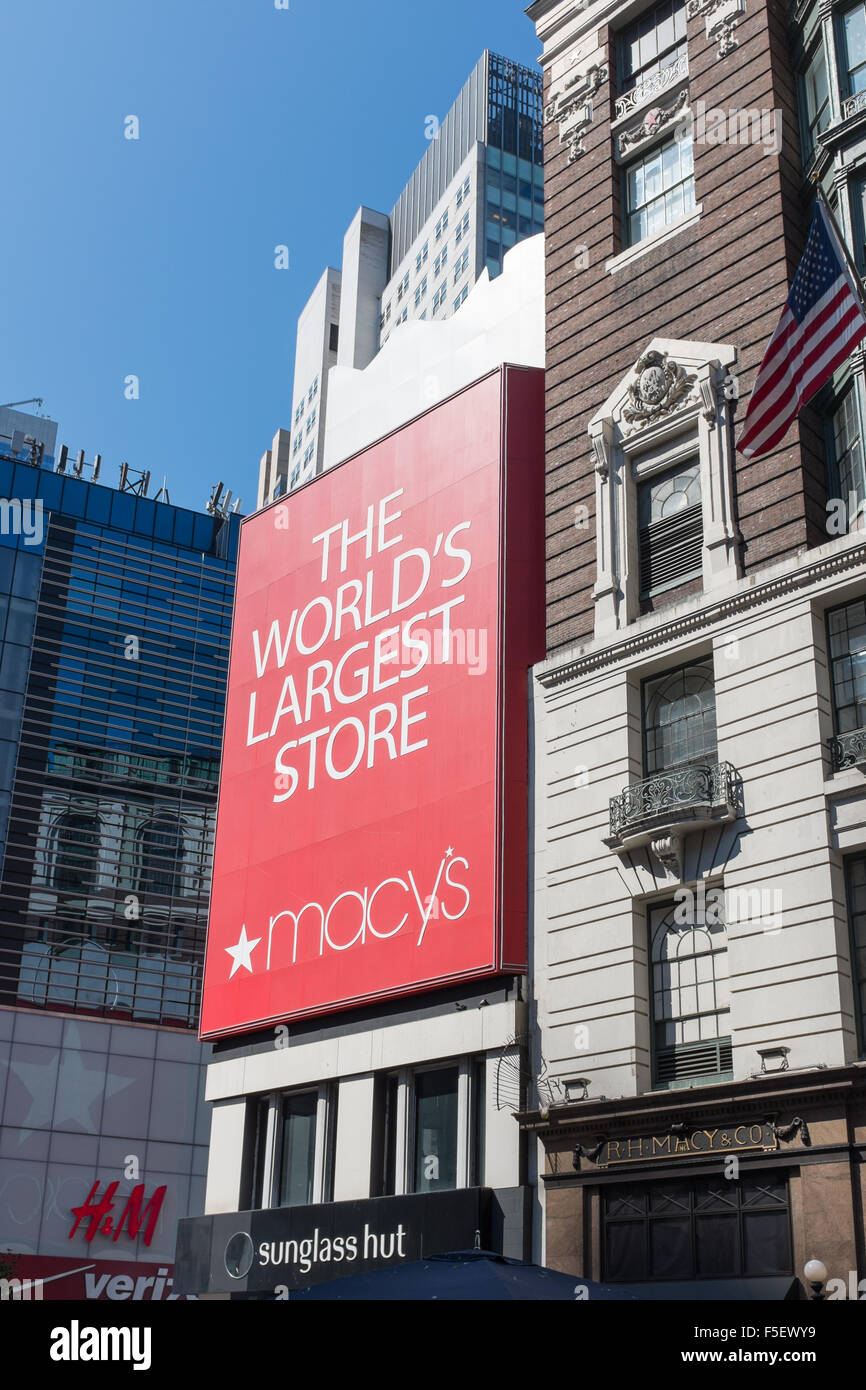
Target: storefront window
{"points": [[255, 1153], [297, 1154], [436, 1113], [706, 1228]]}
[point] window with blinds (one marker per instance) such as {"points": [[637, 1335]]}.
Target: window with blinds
{"points": [[670, 522], [690, 1000]]}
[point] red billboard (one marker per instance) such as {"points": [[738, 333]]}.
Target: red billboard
{"points": [[372, 824]]}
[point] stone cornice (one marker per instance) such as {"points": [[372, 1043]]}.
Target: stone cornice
{"points": [[746, 596], [559, 33], [778, 1089]]}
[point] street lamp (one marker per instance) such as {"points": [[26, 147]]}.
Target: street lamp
{"points": [[815, 1272]]}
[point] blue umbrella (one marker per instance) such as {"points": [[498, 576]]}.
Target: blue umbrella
{"points": [[463, 1275]]}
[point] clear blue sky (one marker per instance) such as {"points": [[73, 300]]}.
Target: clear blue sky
{"points": [[155, 257]]}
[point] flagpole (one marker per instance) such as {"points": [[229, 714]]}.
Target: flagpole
{"points": [[855, 274]]}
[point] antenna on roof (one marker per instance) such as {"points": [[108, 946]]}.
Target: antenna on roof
{"points": [[34, 400], [134, 480], [213, 501]]}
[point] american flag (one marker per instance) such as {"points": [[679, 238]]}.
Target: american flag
{"points": [[822, 322]]}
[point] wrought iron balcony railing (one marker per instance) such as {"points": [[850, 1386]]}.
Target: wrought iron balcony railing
{"points": [[848, 750], [675, 797], [652, 86], [852, 105]]}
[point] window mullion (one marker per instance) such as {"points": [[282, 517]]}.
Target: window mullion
{"points": [[828, 43], [320, 1155], [404, 1123], [271, 1156], [464, 1122]]}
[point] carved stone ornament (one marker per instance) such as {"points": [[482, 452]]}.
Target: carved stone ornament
{"points": [[654, 121], [571, 108], [602, 455], [583, 1151], [721, 18], [708, 397], [796, 1129], [652, 87], [661, 387], [668, 849]]}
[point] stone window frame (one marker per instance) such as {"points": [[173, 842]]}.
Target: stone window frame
{"points": [[632, 440]]}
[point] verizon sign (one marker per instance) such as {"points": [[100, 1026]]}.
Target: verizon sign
{"points": [[371, 833]]}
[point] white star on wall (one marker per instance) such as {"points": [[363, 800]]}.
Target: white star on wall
{"points": [[78, 1087], [241, 953]]}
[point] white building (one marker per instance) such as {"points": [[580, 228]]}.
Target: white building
{"points": [[477, 191]]}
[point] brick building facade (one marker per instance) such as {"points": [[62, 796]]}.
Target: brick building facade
{"points": [[700, 716]]}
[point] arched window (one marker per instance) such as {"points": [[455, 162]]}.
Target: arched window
{"points": [[680, 718], [690, 999], [76, 845], [161, 857]]}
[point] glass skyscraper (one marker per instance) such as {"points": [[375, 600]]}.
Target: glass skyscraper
{"points": [[115, 612]]}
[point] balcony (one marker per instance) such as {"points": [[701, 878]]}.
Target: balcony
{"points": [[674, 803], [852, 106], [654, 86], [848, 750]]}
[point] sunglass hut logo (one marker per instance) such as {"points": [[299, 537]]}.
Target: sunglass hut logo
{"points": [[395, 904]]}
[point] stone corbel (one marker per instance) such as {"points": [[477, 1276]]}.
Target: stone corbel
{"points": [[571, 107], [718, 391], [707, 389], [668, 850], [720, 18], [607, 592], [601, 449]]}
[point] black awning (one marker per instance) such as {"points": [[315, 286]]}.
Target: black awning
{"points": [[466, 1276]]}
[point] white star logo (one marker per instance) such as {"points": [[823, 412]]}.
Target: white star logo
{"points": [[78, 1084], [241, 953]]}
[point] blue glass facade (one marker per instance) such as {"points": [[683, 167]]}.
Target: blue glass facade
{"points": [[514, 176], [115, 616], [514, 203]]}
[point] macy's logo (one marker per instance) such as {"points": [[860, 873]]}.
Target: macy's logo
{"points": [[397, 893]]}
